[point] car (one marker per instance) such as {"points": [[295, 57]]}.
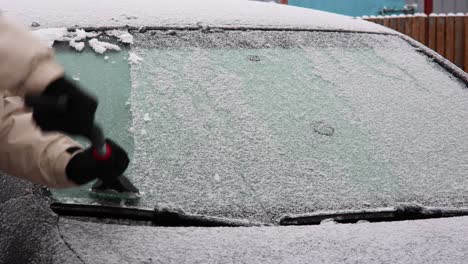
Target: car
{"points": [[258, 133]]}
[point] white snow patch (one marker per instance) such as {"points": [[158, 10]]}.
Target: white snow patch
{"points": [[328, 221], [76, 78], [126, 38], [106, 57], [217, 178], [81, 34], [122, 35], [79, 46], [146, 117], [362, 222], [49, 35], [101, 46], [177, 13], [133, 58]]}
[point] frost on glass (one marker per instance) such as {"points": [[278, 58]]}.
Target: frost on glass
{"points": [[108, 78], [294, 122], [252, 124]]}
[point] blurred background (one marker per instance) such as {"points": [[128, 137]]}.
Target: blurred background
{"points": [[380, 7]]}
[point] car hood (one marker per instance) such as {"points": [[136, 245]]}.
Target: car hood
{"points": [[430, 241]]}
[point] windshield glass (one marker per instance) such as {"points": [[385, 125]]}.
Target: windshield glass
{"points": [[258, 124], [107, 77]]}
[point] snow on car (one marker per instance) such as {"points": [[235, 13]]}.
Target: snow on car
{"points": [[254, 116]]}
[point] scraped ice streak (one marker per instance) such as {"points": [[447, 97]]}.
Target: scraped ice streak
{"points": [[413, 114], [194, 106]]}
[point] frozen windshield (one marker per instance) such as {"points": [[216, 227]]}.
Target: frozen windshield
{"points": [[258, 124]]}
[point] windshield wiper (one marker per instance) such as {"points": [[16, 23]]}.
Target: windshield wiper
{"points": [[158, 217], [398, 213]]}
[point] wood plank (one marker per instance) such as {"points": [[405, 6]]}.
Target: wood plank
{"points": [[450, 38], [400, 24], [459, 41], [408, 26], [386, 21], [379, 20], [416, 28], [440, 35], [466, 44], [393, 22], [422, 21], [432, 32]]}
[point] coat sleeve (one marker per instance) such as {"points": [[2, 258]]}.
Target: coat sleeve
{"points": [[26, 65], [27, 152]]}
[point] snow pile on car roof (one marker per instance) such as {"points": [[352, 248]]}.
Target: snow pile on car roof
{"points": [[178, 13]]}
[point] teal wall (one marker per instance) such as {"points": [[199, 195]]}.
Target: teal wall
{"points": [[350, 7]]}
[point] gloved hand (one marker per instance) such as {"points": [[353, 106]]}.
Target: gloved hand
{"points": [[87, 165], [77, 117]]}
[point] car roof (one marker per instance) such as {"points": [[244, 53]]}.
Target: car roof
{"points": [[180, 13]]}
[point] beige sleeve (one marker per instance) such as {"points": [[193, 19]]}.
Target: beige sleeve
{"points": [[28, 153], [26, 65]]}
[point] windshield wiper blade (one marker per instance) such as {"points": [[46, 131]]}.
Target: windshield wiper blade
{"points": [[398, 213], [158, 217]]}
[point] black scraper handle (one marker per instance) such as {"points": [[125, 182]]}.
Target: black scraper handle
{"points": [[60, 105]]}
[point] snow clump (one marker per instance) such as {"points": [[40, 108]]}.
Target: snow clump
{"points": [[101, 46], [79, 46], [122, 35], [133, 58], [146, 117], [80, 34]]}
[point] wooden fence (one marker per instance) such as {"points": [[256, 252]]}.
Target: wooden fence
{"points": [[446, 34]]}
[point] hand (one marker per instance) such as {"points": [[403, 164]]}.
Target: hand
{"points": [[77, 115], [85, 166]]}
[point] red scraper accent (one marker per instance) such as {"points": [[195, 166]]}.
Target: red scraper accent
{"points": [[101, 157]]}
